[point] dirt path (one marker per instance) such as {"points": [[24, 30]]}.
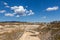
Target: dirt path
{"points": [[27, 36]]}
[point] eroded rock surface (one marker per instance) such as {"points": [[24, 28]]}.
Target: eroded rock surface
{"points": [[29, 36]]}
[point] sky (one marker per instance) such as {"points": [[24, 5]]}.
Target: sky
{"points": [[30, 10]]}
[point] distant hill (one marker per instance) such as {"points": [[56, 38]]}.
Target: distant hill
{"points": [[18, 22]]}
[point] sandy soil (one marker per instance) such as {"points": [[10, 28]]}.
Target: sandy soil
{"points": [[27, 36]]}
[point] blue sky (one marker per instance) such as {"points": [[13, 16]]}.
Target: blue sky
{"points": [[30, 10]]}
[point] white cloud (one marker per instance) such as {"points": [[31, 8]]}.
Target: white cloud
{"points": [[9, 14], [52, 8], [5, 3], [31, 12], [21, 10], [14, 7], [2, 11], [18, 9]]}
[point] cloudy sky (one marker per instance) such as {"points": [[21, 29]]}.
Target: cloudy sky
{"points": [[30, 10]]}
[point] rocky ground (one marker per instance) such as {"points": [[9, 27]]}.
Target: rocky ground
{"points": [[29, 36], [17, 31]]}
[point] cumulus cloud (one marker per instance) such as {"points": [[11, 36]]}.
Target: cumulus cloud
{"points": [[31, 12], [18, 9], [2, 11], [21, 11], [52, 8], [9, 14]]}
